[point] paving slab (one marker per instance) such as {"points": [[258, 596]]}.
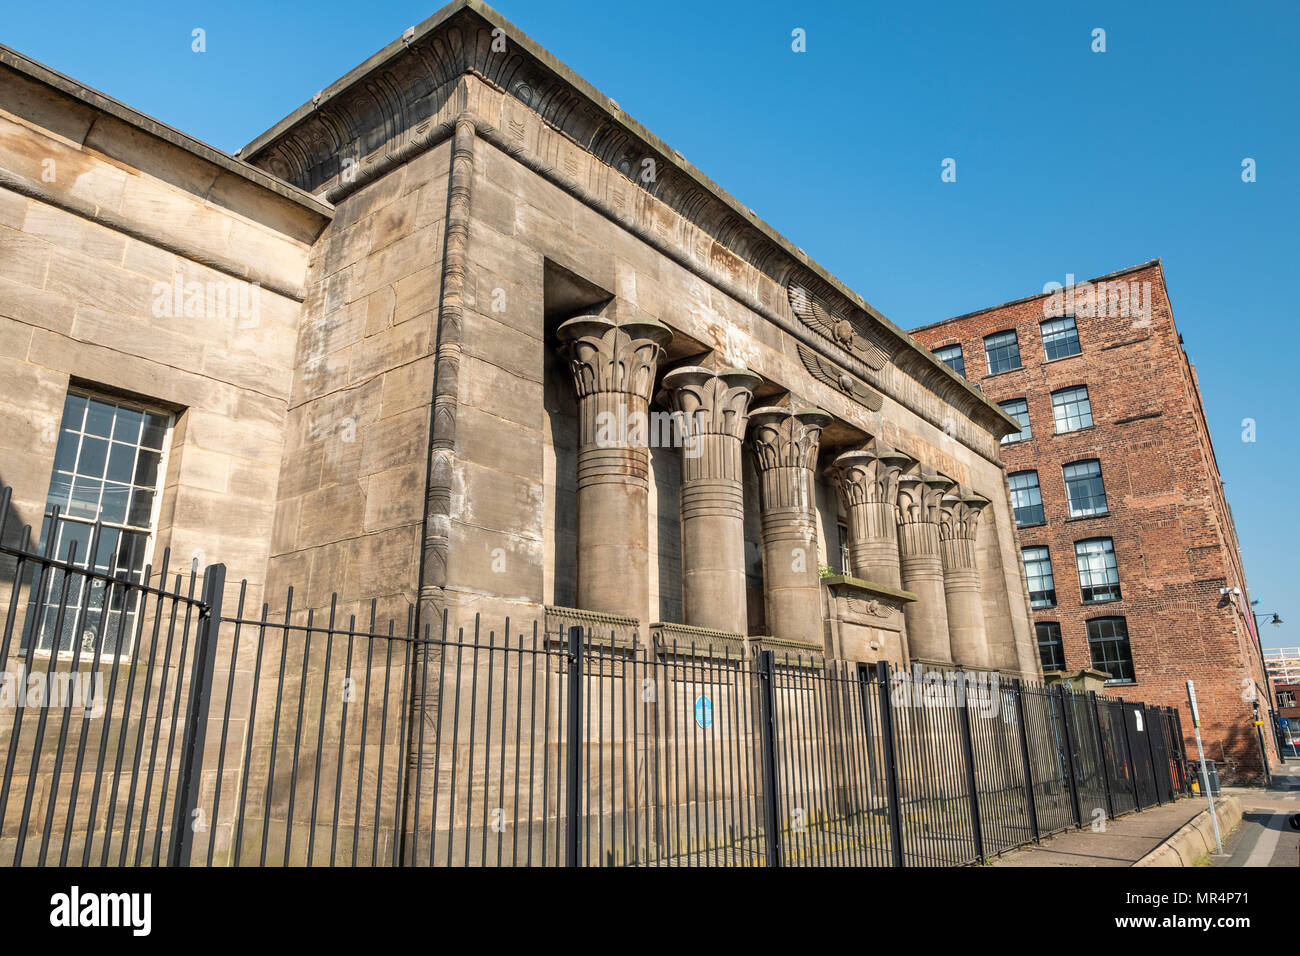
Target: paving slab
{"points": [[1122, 843]]}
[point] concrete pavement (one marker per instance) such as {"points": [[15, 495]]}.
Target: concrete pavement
{"points": [[1122, 843], [1265, 838]]}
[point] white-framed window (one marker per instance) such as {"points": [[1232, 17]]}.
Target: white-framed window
{"points": [[1026, 498], [1085, 491], [1098, 572], [1071, 409], [951, 356], [1060, 338], [1017, 408], [1111, 652], [1002, 351], [108, 468], [1038, 573]]}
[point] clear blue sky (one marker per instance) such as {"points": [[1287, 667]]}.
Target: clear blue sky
{"points": [[1068, 161]]}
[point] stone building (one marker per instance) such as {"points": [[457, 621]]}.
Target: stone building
{"points": [[458, 333], [1130, 553]]}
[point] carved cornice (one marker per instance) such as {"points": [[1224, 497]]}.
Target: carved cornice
{"points": [[401, 101]]}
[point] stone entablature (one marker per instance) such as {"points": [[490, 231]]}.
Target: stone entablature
{"points": [[406, 98]]}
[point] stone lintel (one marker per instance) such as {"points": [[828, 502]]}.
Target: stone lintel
{"points": [[846, 584]]}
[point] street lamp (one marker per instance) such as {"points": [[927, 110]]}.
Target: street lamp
{"points": [[1276, 622]]}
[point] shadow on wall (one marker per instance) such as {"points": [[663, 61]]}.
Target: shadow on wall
{"points": [[666, 468]]}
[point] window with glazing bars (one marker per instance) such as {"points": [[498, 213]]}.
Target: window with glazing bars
{"points": [[1071, 409], [1060, 338], [107, 467], [1050, 649], [1084, 489], [1108, 642], [1026, 499], [1002, 350], [1038, 572], [1017, 408], [1098, 573], [951, 356]]}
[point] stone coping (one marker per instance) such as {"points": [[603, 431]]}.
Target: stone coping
{"points": [[871, 587], [697, 641], [604, 630], [784, 646], [96, 100]]}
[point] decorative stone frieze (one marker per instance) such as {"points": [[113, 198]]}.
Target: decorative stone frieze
{"points": [[614, 367], [711, 409], [784, 443]]}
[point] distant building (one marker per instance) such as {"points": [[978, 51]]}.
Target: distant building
{"points": [[1283, 665], [1130, 555]]}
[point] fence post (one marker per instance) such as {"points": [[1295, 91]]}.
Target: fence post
{"points": [[767, 738], [1151, 749], [573, 793], [963, 718], [890, 756], [190, 773], [1069, 757], [1132, 761], [1101, 756], [1184, 782], [1024, 753]]}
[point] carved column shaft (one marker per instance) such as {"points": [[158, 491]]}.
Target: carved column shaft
{"points": [[613, 371], [784, 443], [712, 409], [961, 581], [867, 482], [921, 564]]}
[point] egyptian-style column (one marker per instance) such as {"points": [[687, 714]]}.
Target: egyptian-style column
{"points": [[784, 443], [959, 519], [613, 368], [919, 498], [712, 410], [867, 482]]}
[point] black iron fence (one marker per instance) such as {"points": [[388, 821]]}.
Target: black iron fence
{"points": [[146, 724]]}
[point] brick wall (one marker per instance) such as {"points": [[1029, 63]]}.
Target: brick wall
{"points": [[1174, 542]]}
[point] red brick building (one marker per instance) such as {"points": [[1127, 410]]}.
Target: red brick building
{"points": [[1128, 546]]}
